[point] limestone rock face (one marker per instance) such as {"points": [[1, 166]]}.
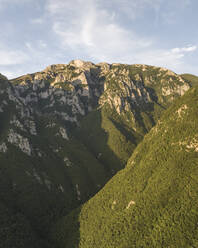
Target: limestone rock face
{"points": [[71, 91], [84, 85], [19, 141], [81, 64], [67, 92], [3, 147]]}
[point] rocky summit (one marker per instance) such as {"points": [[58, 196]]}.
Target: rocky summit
{"points": [[65, 132]]}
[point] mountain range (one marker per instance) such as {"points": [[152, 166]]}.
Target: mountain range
{"points": [[98, 155]]}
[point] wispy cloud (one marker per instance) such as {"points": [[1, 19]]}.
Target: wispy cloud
{"points": [[10, 73], [169, 58], [37, 21], [6, 3], [11, 57], [11, 61], [126, 31], [184, 49], [93, 31]]}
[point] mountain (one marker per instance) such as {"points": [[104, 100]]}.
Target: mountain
{"points": [[65, 131], [152, 202]]}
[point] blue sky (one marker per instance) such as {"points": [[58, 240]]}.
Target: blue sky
{"points": [[37, 33]]}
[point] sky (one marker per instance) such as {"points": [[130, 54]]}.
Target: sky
{"points": [[38, 33]]}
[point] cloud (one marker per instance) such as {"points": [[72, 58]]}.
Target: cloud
{"points": [[9, 73], [59, 5], [160, 57], [170, 58], [7, 3], [95, 31], [35, 48], [134, 9], [42, 44], [37, 21], [32, 57], [184, 49], [10, 57], [92, 29]]}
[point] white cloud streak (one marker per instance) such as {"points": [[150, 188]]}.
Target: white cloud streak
{"points": [[184, 49]]}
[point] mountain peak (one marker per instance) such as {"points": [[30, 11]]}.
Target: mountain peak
{"points": [[80, 63]]}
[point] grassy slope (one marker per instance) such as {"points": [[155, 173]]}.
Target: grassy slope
{"points": [[108, 139], [192, 79], [153, 201]]}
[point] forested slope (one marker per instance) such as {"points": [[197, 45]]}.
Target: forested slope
{"points": [[153, 202]]}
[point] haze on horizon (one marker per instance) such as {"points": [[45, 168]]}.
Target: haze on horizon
{"points": [[37, 33]]}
